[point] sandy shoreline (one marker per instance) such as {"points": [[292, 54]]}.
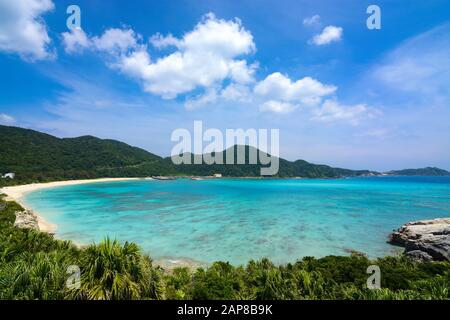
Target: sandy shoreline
{"points": [[16, 193]]}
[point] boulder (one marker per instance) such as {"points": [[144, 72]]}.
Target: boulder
{"points": [[27, 220], [432, 237], [419, 256]]}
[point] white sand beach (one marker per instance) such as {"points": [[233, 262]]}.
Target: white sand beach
{"points": [[16, 193]]}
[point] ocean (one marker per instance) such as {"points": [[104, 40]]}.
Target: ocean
{"points": [[237, 220]]}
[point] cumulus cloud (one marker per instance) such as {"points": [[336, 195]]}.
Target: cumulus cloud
{"points": [[328, 35], [6, 119], [228, 38], [306, 91], [311, 21], [114, 41], [281, 95], [22, 29], [160, 42], [208, 66], [75, 41], [205, 57], [237, 92]]}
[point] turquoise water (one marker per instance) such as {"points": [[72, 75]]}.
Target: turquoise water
{"points": [[239, 219]]}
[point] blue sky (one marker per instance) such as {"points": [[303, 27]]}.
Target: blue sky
{"points": [[340, 94]]}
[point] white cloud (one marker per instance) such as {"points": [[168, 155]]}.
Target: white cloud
{"points": [[332, 110], [227, 38], [328, 35], [278, 107], [133, 63], [203, 61], [159, 41], [115, 41], [23, 31], [237, 92], [281, 95], [311, 21], [75, 41], [307, 91], [242, 73], [205, 57], [6, 119]]}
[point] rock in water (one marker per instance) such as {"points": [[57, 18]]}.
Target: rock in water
{"points": [[424, 240]]}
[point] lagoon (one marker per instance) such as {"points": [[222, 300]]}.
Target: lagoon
{"points": [[237, 220]]}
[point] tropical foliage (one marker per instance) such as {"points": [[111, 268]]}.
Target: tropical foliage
{"points": [[35, 156], [33, 265]]}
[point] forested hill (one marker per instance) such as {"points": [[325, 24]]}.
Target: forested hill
{"points": [[35, 156], [428, 171], [38, 156], [299, 168]]}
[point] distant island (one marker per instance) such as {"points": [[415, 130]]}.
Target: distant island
{"points": [[428, 171], [38, 157]]}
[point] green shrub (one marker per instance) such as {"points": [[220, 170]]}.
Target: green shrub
{"points": [[111, 271], [178, 284]]}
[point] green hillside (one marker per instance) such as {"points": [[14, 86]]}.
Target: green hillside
{"points": [[35, 156], [299, 168]]}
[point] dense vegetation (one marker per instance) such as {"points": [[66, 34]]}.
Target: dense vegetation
{"points": [[33, 265], [299, 168], [35, 156]]}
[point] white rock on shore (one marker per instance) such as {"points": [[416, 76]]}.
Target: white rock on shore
{"points": [[425, 240], [27, 220]]}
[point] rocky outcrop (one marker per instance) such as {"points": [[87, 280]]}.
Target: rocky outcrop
{"points": [[425, 240], [27, 220], [420, 256]]}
